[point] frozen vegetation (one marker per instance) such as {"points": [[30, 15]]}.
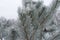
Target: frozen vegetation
{"points": [[36, 22]]}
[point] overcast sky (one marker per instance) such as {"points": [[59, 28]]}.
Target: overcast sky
{"points": [[8, 8]]}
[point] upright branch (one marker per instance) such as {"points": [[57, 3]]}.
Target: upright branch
{"points": [[35, 15]]}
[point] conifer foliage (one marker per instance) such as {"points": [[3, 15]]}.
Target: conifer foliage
{"points": [[34, 16]]}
